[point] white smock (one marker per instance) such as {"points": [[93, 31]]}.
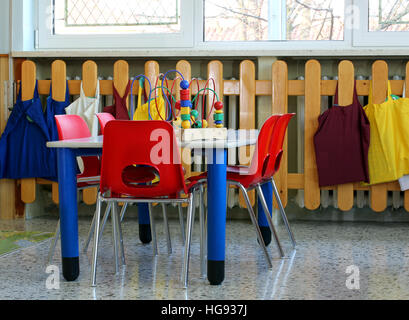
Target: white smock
{"points": [[87, 107]]}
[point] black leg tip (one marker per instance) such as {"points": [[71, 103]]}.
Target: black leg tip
{"points": [[145, 233], [266, 234], [71, 268], [215, 272]]}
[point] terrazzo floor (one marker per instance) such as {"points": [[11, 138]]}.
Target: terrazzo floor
{"points": [[316, 270]]}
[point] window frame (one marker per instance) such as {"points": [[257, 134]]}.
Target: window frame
{"points": [[184, 39], [281, 45], [356, 36], [362, 37]]}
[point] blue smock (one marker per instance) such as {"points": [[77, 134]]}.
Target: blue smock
{"points": [[23, 150]]}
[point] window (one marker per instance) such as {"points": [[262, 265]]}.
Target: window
{"points": [[229, 25], [115, 24], [261, 20], [382, 23]]}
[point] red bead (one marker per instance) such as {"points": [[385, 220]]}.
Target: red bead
{"points": [[177, 105], [218, 105], [185, 94]]}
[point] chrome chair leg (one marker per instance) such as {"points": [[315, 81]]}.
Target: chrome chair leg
{"points": [[95, 246], [269, 220], [115, 235], [153, 231], [166, 227], [124, 207], [91, 231], [254, 221], [202, 234], [189, 229], [283, 215], [182, 223], [54, 243], [120, 237]]}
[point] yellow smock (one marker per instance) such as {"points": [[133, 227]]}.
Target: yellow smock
{"points": [[388, 155], [142, 111]]}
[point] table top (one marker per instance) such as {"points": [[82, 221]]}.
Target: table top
{"points": [[235, 139]]}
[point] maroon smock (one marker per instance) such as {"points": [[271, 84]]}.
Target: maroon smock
{"points": [[341, 144], [119, 109]]}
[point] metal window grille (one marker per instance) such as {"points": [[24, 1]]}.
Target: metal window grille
{"points": [[91, 13]]}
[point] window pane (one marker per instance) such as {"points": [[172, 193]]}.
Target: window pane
{"points": [[258, 20], [389, 15], [315, 19], [119, 16]]}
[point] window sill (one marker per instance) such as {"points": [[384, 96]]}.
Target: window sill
{"points": [[124, 53]]}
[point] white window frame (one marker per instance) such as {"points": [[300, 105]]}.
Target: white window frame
{"points": [[282, 45], [47, 40], [362, 37], [191, 40]]}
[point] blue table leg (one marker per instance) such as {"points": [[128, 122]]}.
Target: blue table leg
{"points": [[262, 221], [67, 187], [144, 223], [216, 219]]}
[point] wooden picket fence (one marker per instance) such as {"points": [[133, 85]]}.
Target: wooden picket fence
{"points": [[247, 88]]}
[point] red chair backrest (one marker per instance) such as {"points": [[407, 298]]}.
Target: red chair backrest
{"points": [[72, 126], [257, 165], [149, 143], [104, 118], [276, 146]]}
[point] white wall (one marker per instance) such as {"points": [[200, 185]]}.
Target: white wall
{"points": [[23, 24], [4, 27]]}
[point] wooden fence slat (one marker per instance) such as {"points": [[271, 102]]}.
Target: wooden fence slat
{"points": [[406, 193], [247, 114], [28, 82], [215, 71], [185, 69], [89, 83], [312, 111], [59, 86], [380, 88], [279, 101], [151, 72], [121, 78], [7, 186], [346, 78]]}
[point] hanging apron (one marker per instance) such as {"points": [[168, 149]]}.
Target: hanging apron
{"points": [[389, 150], [86, 107], [119, 109], [54, 108], [23, 150], [341, 144], [151, 110]]}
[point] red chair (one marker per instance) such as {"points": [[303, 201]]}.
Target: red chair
{"points": [[74, 127], [103, 119], [132, 174], [144, 175], [276, 151], [148, 143], [248, 177]]}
